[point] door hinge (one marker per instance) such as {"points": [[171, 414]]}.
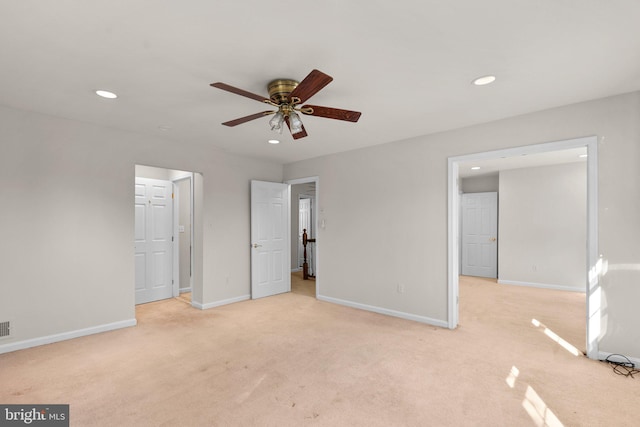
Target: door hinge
{"points": [[172, 281], [172, 238], [172, 195]]}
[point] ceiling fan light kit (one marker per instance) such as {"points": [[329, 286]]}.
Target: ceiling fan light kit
{"points": [[286, 95], [294, 122], [276, 122]]}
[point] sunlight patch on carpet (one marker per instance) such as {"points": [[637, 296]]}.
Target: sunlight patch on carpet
{"points": [[539, 412], [512, 377], [563, 343]]}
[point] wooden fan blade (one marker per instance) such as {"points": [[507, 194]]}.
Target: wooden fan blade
{"points": [[311, 85], [332, 113], [298, 135], [237, 91], [241, 120]]}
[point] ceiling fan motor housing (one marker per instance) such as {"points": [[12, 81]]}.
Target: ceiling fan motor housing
{"points": [[280, 89]]}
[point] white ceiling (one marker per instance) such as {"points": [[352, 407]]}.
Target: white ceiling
{"points": [[405, 64]]}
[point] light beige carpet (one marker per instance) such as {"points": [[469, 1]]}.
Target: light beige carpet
{"points": [[290, 360], [301, 286], [185, 296]]}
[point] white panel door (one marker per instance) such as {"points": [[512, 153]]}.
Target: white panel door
{"points": [[270, 241], [153, 240], [480, 234], [304, 223]]}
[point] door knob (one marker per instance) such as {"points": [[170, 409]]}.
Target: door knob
{"points": [[255, 245]]}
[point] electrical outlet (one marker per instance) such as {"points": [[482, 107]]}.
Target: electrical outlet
{"points": [[400, 288]]}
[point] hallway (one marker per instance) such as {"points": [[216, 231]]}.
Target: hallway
{"points": [[302, 287]]}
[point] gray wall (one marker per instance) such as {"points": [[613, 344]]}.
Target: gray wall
{"points": [[67, 221], [152, 172], [542, 226], [398, 221], [480, 184]]}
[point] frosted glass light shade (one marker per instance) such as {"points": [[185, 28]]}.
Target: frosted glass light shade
{"points": [[276, 121], [294, 122]]}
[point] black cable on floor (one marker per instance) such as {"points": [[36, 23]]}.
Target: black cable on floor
{"points": [[622, 366]]}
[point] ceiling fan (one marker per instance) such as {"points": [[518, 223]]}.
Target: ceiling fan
{"points": [[286, 95]]}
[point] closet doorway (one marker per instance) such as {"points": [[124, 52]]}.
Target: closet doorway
{"points": [[179, 235]]}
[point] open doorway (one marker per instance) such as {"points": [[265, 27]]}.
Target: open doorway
{"points": [[164, 235], [184, 209], [304, 248], [592, 310]]}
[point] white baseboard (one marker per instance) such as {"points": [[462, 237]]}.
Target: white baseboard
{"points": [[184, 290], [386, 311], [219, 303], [49, 339], [602, 355], [295, 270], [542, 285]]}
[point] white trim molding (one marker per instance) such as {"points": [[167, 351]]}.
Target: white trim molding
{"points": [[541, 285], [50, 339], [385, 311], [219, 303]]}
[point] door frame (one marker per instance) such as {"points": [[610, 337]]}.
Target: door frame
{"points": [[176, 233], [594, 263], [316, 205]]}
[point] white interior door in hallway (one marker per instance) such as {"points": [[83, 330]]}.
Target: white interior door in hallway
{"points": [[270, 241], [480, 234], [153, 240]]}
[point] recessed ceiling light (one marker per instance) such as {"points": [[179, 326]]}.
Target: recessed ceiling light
{"points": [[106, 94], [582, 156], [484, 80], [475, 168], [274, 141]]}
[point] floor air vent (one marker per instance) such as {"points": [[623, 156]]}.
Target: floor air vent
{"points": [[5, 329]]}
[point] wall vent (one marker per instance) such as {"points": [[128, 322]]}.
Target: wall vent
{"points": [[5, 329]]}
